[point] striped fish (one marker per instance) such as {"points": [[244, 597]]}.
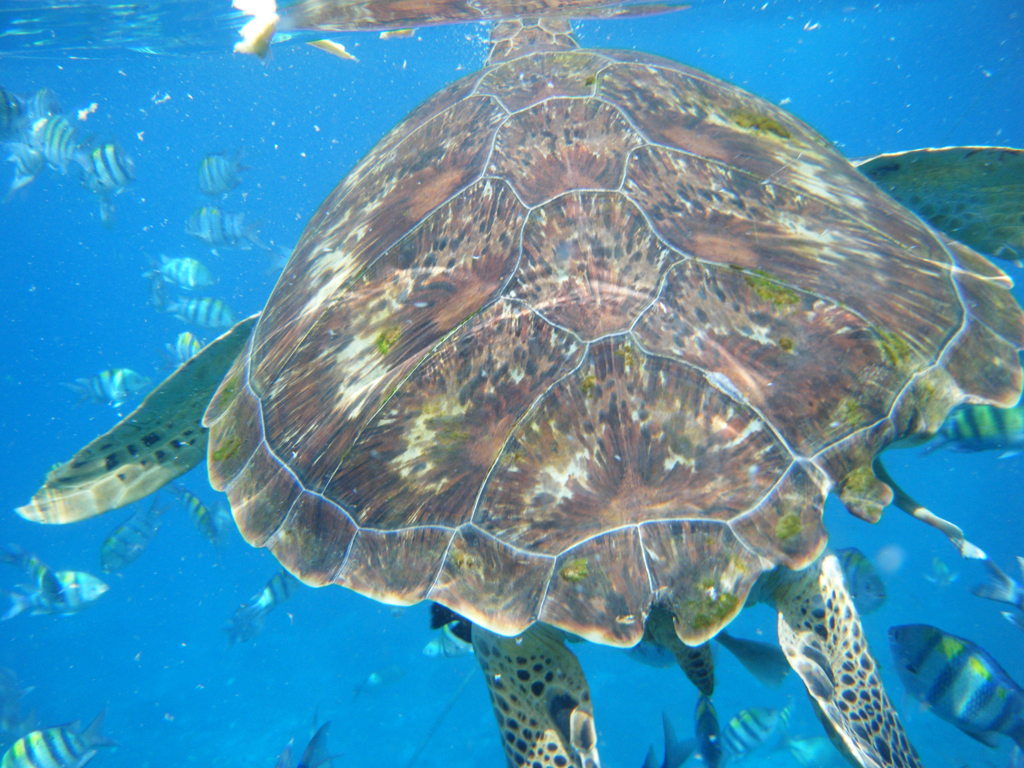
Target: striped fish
{"points": [[972, 428], [218, 173], [959, 681], [111, 387], [862, 580], [248, 619], [205, 521], [185, 273], [56, 138], [204, 312], [129, 540], [184, 348], [107, 169], [750, 729], [709, 743], [60, 592], [60, 747], [42, 105], [216, 227]]}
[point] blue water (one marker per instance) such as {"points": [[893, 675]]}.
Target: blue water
{"points": [[871, 76]]}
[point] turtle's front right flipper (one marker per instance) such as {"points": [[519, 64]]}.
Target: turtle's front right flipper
{"points": [[821, 635], [160, 440], [540, 696]]}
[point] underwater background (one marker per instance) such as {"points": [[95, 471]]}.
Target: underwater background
{"points": [[872, 77]]}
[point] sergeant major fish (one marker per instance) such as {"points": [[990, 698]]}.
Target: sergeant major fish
{"points": [[184, 272], [60, 747], [971, 428], [205, 521], [185, 347], [112, 387], [862, 579], [205, 312], [959, 681], [750, 729], [56, 138], [248, 619], [216, 227], [63, 592], [107, 169], [218, 173], [129, 540]]}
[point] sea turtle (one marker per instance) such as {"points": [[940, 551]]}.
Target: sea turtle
{"points": [[580, 348]]}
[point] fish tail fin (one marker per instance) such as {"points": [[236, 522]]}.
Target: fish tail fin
{"points": [[1000, 587], [765, 662], [93, 735], [676, 752], [316, 753], [1020, 564], [19, 603]]}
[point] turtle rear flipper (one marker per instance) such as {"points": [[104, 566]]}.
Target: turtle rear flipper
{"points": [[540, 696], [160, 440], [821, 635]]}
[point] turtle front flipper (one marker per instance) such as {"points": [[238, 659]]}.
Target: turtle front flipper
{"points": [[821, 635], [160, 440], [540, 696]]}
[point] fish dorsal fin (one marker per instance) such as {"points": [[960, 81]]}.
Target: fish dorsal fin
{"points": [[510, 39], [160, 440]]}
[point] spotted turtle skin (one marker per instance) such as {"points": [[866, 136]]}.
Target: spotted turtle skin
{"points": [[590, 332]]}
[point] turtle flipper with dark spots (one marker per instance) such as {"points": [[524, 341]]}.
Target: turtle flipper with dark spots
{"points": [[821, 635], [159, 441], [540, 697]]}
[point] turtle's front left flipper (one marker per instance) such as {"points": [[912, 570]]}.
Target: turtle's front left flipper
{"points": [[160, 440], [821, 635], [540, 696]]}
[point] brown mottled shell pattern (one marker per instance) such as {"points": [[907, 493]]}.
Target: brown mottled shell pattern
{"points": [[587, 332]]}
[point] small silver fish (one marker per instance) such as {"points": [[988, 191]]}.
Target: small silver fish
{"points": [[448, 644], [110, 387], [941, 574], [28, 162]]}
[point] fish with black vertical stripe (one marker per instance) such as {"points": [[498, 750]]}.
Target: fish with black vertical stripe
{"points": [[248, 619], [64, 746], [959, 681], [972, 428]]}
